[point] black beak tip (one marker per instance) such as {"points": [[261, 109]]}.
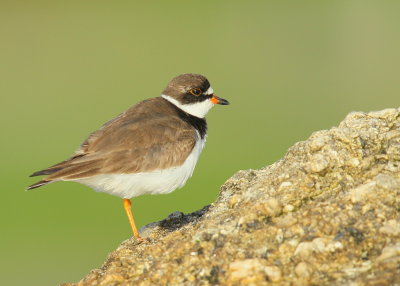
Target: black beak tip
{"points": [[223, 102]]}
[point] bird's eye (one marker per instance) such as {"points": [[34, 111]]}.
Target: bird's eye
{"points": [[196, 91]]}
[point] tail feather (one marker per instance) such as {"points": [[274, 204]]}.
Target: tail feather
{"points": [[71, 167], [48, 171], [57, 167], [38, 184]]}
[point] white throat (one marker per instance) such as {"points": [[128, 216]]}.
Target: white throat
{"points": [[198, 109]]}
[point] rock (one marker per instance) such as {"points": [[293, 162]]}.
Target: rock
{"points": [[390, 251], [288, 208], [362, 192], [252, 270], [274, 273], [306, 249], [271, 207], [318, 163], [391, 227], [325, 214], [303, 270], [246, 271]]}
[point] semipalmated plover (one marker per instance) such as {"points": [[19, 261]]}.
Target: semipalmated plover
{"points": [[152, 148]]}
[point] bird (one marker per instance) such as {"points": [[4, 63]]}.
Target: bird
{"points": [[151, 148]]}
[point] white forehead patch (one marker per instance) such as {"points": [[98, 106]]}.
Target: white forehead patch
{"points": [[209, 91], [198, 109]]}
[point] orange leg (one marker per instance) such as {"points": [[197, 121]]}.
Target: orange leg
{"points": [[127, 206]]}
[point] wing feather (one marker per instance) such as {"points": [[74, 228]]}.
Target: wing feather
{"points": [[135, 141]]}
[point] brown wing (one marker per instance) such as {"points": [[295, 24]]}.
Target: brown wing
{"points": [[147, 137]]}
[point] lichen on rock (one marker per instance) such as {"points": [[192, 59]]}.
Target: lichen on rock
{"points": [[328, 213]]}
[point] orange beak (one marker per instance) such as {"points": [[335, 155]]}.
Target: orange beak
{"points": [[217, 100]]}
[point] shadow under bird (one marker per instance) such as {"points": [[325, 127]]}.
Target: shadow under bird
{"points": [[152, 148]]}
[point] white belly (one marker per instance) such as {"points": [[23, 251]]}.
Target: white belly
{"points": [[156, 182]]}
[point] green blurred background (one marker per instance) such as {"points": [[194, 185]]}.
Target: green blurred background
{"points": [[66, 67]]}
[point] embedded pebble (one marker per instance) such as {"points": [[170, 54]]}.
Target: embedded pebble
{"points": [[306, 249], [303, 270], [247, 270], [318, 163], [391, 227], [273, 272], [389, 252], [271, 207], [288, 208], [361, 192]]}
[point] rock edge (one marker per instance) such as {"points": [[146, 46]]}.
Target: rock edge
{"points": [[328, 213]]}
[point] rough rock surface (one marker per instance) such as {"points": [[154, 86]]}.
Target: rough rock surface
{"points": [[328, 213]]}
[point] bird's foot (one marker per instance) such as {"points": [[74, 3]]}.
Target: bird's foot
{"points": [[139, 239]]}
